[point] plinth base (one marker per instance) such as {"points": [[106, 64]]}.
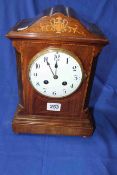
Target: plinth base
{"points": [[39, 124]]}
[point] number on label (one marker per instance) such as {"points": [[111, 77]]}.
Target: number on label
{"points": [[53, 106]]}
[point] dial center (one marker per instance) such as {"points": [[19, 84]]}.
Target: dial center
{"points": [[55, 76]]}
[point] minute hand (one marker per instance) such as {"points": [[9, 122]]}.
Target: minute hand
{"points": [[50, 68]]}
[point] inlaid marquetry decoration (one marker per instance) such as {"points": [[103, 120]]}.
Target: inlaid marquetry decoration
{"points": [[57, 23]]}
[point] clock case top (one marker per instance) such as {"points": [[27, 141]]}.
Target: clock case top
{"points": [[57, 29], [58, 23]]}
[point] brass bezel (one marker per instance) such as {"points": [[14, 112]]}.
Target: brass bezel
{"points": [[51, 49]]}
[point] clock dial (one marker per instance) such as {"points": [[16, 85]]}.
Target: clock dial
{"points": [[55, 73]]}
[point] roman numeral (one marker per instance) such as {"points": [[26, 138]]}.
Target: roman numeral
{"points": [[54, 93], [35, 74], [76, 77], [64, 91], [37, 65], [45, 59], [74, 68], [37, 84], [44, 90], [67, 61], [56, 57]]}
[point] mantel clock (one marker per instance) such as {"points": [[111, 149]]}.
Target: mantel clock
{"points": [[55, 55]]}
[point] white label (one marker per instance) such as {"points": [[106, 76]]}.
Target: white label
{"points": [[53, 106]]}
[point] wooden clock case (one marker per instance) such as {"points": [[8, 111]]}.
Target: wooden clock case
{"points": [[59, 30]]}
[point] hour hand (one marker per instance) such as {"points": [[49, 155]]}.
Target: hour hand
{"points": [[56, 65]]}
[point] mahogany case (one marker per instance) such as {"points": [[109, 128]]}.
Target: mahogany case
{"points": [[57, 30]]}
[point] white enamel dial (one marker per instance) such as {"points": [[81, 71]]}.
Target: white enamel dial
{"points": [[55, 73]]}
